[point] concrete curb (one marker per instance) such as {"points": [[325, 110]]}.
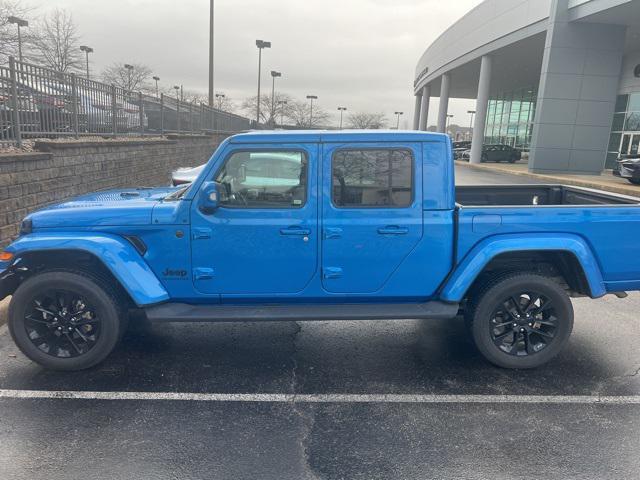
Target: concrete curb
{"points": [[563, 179]]}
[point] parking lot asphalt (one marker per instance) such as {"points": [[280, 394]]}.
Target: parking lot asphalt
{"points": [[330, 400]]}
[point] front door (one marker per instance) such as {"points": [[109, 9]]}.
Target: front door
{"points": [[372, 214], [263, 239]]}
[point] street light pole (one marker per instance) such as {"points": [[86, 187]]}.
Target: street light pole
{"points": [[260, 44], [449, 117], [156, 78], [129, 70], [311, 98], [398, 121], [220, 96], [472, 113], [342, 110], [211, 54], [87, 51], [282, 103], [20, 23], [274, 74]]}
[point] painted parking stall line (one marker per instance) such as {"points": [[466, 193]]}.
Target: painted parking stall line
{"points": [[323, 398]]}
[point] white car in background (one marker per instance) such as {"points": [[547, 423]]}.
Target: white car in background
{"points": [[184, 176]]}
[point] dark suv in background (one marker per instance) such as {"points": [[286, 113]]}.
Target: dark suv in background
{"points": [[497, 153]]}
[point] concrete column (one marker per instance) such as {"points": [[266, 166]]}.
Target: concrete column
{"points": [[416, 111], [577, 94], [424, 109], [482, 105], [445, 88]]}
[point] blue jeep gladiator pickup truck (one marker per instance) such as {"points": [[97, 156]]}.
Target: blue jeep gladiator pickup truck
{"points": [[320, 226]]}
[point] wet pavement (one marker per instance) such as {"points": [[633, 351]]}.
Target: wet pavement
{"points": [[218, 438]]}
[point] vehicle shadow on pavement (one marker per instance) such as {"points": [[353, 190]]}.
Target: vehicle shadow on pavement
{"points": [[434, 357]]}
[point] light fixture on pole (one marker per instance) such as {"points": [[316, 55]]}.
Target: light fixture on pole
{"points": [[129, 71], [311, 98], [157, 79], [87, 51], [398, 121], [20, 23], [274, 75], [177, 89], [261, 44], [472, 113], [342, 110], [220, 96], [282, 103]]}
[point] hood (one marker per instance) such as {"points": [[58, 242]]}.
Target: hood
{"points": [[132, 206]]}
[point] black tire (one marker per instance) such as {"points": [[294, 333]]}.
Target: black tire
{"points": [[523, 342], [106, 316], [635, 181]]}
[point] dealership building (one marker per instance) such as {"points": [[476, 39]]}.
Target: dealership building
{"points": [[557, 78]]}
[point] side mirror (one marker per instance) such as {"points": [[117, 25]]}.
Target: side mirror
{"points": [[209, 198]]}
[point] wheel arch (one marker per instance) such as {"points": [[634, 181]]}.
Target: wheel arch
{"points": [[110, 257], [567, 258]]}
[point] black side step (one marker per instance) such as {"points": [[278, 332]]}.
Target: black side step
{"points": [[182, 312]]}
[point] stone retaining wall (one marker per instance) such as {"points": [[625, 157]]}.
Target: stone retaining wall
{"points": [[58, 170]]}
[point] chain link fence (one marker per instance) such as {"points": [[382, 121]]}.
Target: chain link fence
{"points": [[36, 102]]}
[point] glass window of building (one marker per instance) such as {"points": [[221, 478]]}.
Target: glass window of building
{"points": [[510, 118], [625, 128]]}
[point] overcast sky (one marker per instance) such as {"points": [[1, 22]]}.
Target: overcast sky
{"points": [[357, 53]]}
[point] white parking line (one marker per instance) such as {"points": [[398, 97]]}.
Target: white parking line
{"points": [[324, 398]]}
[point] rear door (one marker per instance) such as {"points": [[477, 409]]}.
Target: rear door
{"points": [[372, 213]]}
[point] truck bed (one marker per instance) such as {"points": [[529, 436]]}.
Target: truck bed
{"points": [[525, 195]]}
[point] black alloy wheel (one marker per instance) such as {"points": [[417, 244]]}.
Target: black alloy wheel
{"points": [[62, 324], [520, 320], [66, 320]]}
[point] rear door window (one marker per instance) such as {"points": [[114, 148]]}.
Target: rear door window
{"points": [[372, 178]]}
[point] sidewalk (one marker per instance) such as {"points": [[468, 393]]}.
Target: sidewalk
{"points": [[606, 181]]}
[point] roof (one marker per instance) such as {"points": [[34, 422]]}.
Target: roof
{"points": [[322, 136]]}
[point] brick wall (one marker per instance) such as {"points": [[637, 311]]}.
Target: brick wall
{"points": [[59, 170]]}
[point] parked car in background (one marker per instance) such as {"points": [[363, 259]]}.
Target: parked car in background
{"points": [[497, 153], [459, 148], [27, 109], [628, 167], [184, 176]]}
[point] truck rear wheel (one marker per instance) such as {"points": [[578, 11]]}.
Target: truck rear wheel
{"points": [[65, 320], [520, 320]]}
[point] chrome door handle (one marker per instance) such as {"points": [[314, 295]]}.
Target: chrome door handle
{"points": [[393, 230], [295, 231]]}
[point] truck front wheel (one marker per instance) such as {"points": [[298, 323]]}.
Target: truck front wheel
{"points": [[65, 320], [520, 320]]}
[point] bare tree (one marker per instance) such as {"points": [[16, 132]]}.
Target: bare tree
{"points": [[8, 31], [268, 115], [56, 42], [133, 79], [366, 121], [299, 113], [226, 104]]}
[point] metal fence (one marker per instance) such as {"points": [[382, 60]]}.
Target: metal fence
{"points": [[37, 102]]}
